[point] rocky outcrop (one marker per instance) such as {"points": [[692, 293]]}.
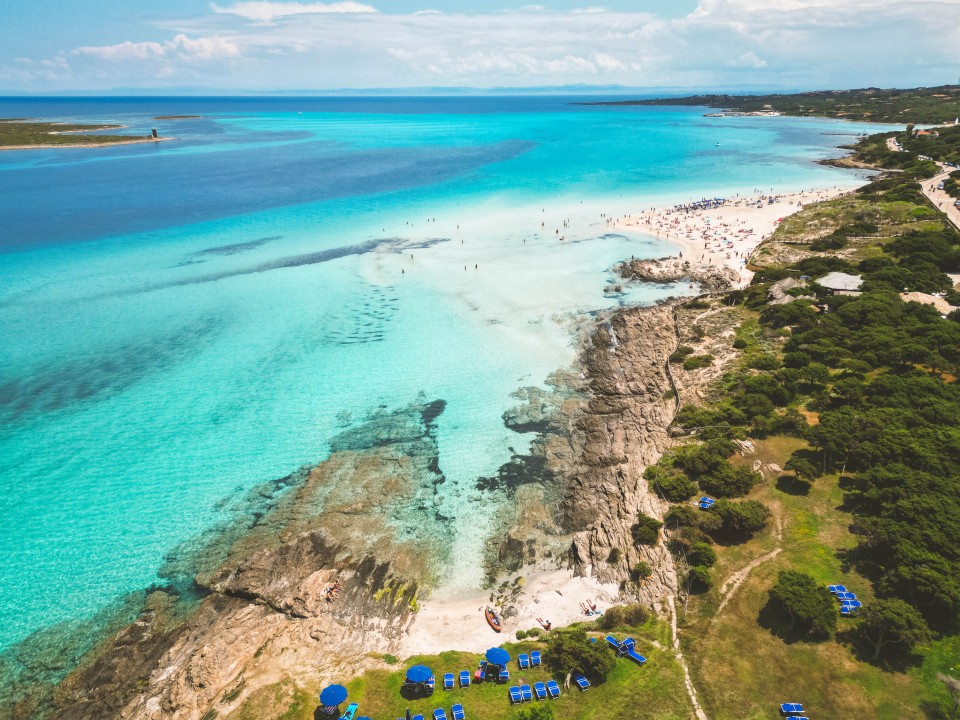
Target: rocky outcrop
{"points": [[362, 522], [619, 432], [671, 269]]}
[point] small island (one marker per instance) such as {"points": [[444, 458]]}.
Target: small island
{"points": [[29, 134], [177, 117]]}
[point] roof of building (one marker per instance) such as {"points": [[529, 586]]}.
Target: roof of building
{"points": [[840, 281]]}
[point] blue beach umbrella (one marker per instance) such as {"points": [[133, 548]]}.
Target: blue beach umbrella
{"points": [[419, 674], [498, 656], [333, 695]]}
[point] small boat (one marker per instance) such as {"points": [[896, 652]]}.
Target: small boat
{"points": [[493, 619]]}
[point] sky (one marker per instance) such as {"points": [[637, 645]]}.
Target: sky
{"points": [[262, 45]]}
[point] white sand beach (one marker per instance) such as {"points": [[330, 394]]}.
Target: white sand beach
{"points": [[723, 233], [459, 623]]}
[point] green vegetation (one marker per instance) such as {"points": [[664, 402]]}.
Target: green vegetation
{"points": [[646, 531], [19, 133], [570, 651], [810, 607], [653, 692], [916, 105]]}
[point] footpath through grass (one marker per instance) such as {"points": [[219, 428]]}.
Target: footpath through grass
{"points": [[742, 662], [654, 691]]}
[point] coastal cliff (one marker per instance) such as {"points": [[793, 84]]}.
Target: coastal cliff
{"points": [[621, 430]]}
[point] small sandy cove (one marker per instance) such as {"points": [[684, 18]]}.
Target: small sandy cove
{"points": [[722, 233], [459, 623]]}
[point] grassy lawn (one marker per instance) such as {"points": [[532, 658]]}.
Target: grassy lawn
{"points": [[742, 670], [654, 691]]}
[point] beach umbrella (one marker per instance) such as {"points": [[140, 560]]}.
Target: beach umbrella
{"points": [[419, 674], [498, 656], [333, 695]]}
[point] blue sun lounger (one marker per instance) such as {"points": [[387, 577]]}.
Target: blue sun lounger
{"points": [[581, 681], [613, 642], [457, 711], [535, 658], [431, 683], [791, 708], [524, 661], [846, 596], [418, 717], [631, 653], [439, 714], [526, 693], [836, 589], [553, 689], [504, 674], [851, 603], [540, 690], [515, 696], [464, 678], [448, 681]]}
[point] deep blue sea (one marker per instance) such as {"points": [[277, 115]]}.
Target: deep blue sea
{"points": [[180, 321]]}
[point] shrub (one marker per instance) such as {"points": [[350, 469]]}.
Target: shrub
{"points": [[624, 615], [521, 634], [740, 343], [641, 571], [699, 580], [681, 352], [674, 487], [695, 362], [540, 711], [807, 602], [534, 632], [701, 555], [614, 557], [730, 481], [681, 516], [742, 519], [764, 362], [569, 651], [646, 531]]}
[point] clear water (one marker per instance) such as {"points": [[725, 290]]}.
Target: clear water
{"points": [[181, 321]]}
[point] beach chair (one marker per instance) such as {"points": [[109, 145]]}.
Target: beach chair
{"points": [[417, 717], [535, 658], [431, 683], [581, 681], [457, 711], [439, 714], [846, 596], [636, 657], [613, 642], [791, 708], [836, 588], [515, 696], [524, 661], [448, 681], [464, 678], [553, 689], [540, 690], [526, 693], [504, 674]]}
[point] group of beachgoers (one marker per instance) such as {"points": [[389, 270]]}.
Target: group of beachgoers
{"points": [[332, 591]]}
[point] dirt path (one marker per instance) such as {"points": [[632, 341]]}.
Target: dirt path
{"points": [[691, 690], [736, 580]]}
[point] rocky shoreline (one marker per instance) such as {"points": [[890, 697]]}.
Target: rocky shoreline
{"points": [[671, 269], [262, 614]]}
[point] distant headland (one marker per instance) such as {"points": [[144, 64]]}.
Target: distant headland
{"points": [[927, 105]]}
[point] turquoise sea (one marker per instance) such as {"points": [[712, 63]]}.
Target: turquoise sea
{"points": [[181, 321]]}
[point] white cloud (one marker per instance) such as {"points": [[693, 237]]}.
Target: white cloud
{"points": [[726, 43], [747, 60], [181, 47], [265, 12]]}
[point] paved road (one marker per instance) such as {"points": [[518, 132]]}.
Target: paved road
{"points": [[939, 198]]}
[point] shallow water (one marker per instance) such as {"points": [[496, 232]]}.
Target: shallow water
{"points": [[182, 321]]}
